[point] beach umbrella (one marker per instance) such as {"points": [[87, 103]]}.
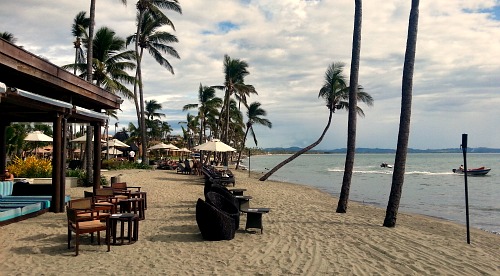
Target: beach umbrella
{"points": [[163, 146], [215, 145], [116, 143], [83, 138], [38, 136], [113, 151]]}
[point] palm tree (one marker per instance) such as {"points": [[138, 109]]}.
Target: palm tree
{"points": [[78, 30], [207, 107], [90, 55], [141, 36], [9, 37], [152, 108], [351, 124], [254, 115], [110, 63], [192, 125], [336, 94], [404, 120], [235, 71]]}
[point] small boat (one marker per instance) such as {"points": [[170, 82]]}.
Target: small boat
{"points": [[476, 171], [385, 165]]}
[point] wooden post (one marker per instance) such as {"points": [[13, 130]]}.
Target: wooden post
{"points": [[57, 205], [97, 156]]}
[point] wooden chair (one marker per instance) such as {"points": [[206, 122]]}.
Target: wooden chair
{"points": [[123, 186], [86, 209], [106, 197], [81, 225]]}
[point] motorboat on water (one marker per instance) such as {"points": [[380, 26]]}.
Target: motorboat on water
{"points": [[475, 171], [385, 165]]}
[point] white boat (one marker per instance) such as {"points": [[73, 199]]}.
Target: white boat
{"points": [[475, 171], [385, 165]]}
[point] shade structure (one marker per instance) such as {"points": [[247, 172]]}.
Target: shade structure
{"points": [[113, 151], [82, 139], [215, 145], [38, 136], [163, 146], [183, 150], [116, 143]]}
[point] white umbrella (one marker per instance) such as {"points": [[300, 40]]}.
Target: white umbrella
{"points": [[83, 138], [38, 136], [163, 146], [116, 143], [215, 145], [183, 150], [112, 151]]}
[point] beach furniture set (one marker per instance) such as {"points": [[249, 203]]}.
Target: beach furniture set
{"points": [[22, 200], [218, 216], [108, 209]]}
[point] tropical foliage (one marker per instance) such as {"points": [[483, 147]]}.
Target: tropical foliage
{"points": [[31, 167]]}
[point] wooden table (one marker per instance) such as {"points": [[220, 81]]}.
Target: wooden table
{"points": [[132, 221], [237, 192], [244, 201], [254, 217]]}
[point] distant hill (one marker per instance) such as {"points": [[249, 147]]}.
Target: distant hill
{"points": [[378, 150]]}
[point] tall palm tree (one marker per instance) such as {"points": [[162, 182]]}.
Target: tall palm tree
{"points": [[207, 107], [152, 108], [192, 125], [9, 37], [336, 94], [110, 63], [254, 115], [90, 55], [404, 120], [351, 124], [80, 24], [153, 8], [235, 71]]}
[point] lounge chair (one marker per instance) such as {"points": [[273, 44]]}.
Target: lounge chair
{"points": [[225, 193], [213, 223]]}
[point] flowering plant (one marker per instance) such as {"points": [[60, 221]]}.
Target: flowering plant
{"points": [[31, 167]]}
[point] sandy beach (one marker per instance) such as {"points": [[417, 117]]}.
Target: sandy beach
{"points": [[302, 236]]}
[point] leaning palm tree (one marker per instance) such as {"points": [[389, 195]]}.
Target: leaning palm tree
{"points": [[351, 124], [159, 19], [254, 115], [404, 120], [336, 94]]}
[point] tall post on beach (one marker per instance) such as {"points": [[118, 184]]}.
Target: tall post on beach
{"points": [[464, 151], [249, 162]]}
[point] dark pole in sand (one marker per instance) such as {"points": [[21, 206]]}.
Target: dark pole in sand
{"points": [[464, 150], [249, 162]]}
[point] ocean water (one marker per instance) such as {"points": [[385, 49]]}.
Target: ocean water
{"points": [[430, 187]]}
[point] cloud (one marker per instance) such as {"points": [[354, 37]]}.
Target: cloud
{"points": [[288, 45]]}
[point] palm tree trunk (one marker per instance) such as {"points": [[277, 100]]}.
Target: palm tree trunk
{"points": [[404, 120], [242, 147], [353, 103], [300, 152], [90, 55], [142, 124]]}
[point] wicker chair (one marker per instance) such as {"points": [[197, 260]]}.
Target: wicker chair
{"points": [[225, 193], [225, 205], [214, 224]]}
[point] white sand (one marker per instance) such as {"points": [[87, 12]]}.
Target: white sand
{"points": [[302, 236]]}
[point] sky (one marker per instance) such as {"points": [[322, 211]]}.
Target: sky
{"points": [[289, 44]]}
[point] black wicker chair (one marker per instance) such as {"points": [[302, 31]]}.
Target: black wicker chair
{"points": [[225, 205], [214, 224], [225, 193]]}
